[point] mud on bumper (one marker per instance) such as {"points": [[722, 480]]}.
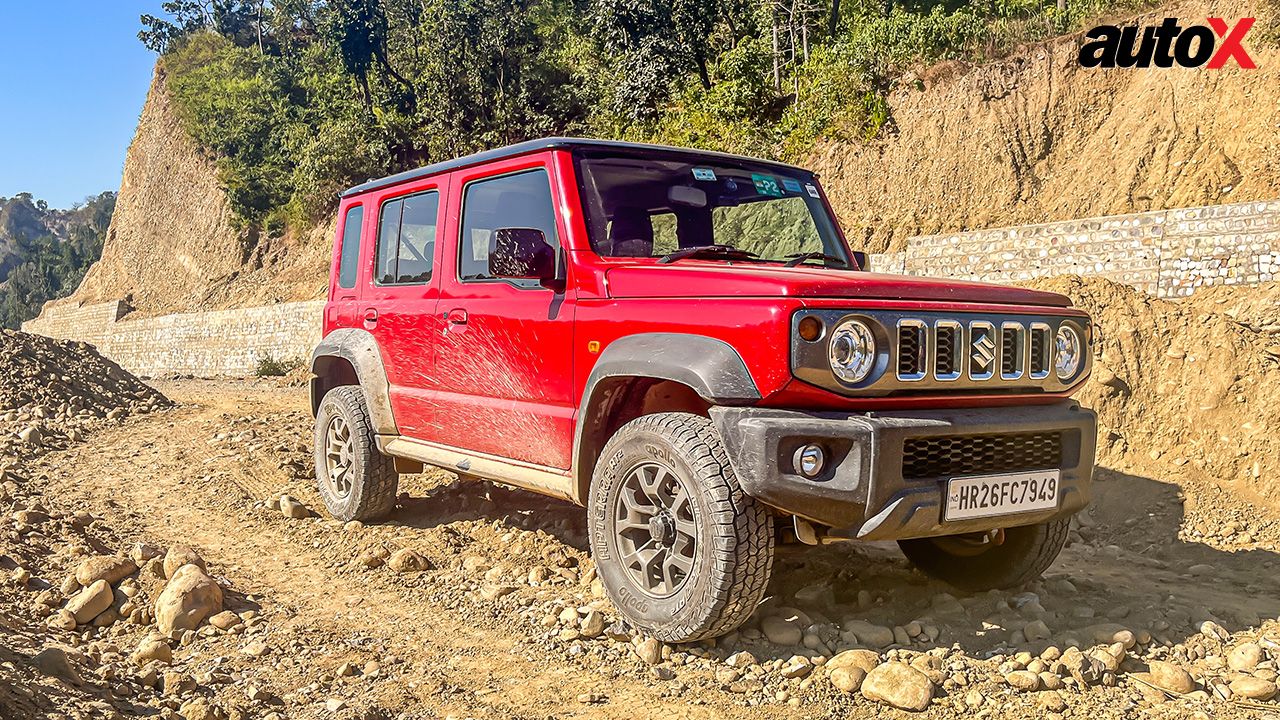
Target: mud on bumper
{"points": [[886, 473]]}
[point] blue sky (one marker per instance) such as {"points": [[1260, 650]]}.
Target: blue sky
{"points": [[73, 77]]}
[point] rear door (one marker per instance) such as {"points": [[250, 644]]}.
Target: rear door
{"points": [[400, 297], [504, 357], [343, 292]]}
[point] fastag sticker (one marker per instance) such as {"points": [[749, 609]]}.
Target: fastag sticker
{"points": [[1168, 44]]}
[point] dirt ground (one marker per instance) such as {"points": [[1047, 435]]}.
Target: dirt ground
{"points": [[481, 634]]}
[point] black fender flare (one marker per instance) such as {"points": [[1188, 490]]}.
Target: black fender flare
{"points": [[358, 348], [711, 367]]}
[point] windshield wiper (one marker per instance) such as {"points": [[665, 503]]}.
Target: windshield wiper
{"points": [[799, 258], [722, 252]]}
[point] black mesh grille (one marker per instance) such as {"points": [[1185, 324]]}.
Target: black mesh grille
{"points": [[1009, 351], [1039, 361], [946, 351], [952, 455], [909, 345]]}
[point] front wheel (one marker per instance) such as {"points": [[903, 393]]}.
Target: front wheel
{"points": [[987, 561], [681, 550], [356, 481]]}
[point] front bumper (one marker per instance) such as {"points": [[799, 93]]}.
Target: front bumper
{"points": [[862, 492]]}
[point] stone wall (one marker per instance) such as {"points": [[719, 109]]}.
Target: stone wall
{"points": [[204, 344], [1168, 253]]}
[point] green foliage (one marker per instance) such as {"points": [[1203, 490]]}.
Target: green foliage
{"points": [[53, 249], [271, 366], [298, 99]]}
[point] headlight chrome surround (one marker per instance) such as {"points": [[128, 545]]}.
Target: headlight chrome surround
{"points": [[1068, 352], [851, 351]]}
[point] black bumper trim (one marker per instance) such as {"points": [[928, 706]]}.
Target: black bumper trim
{"points": [[861, 492]]}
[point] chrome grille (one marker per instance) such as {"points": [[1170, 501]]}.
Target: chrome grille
{"points": [[952, 455]]}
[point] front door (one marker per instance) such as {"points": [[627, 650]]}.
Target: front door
{"points": [[504, 357]]}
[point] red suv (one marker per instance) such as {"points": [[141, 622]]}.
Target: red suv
{"points": [[683, 342]]}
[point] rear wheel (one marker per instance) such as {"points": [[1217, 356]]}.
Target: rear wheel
{"points": [[986, 561], [356, 481], [683, 553]]}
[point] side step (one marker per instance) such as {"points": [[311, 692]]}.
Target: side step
{"points": [[535, 478]]}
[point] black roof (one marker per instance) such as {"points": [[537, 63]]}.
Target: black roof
{"points": [[530, 146]]}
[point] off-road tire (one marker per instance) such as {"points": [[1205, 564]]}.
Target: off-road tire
{"points": [[1025, 553], [733, 554], [373, 477]]}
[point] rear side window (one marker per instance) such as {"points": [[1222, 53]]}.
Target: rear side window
{"points": [[407, 239], [349, 261], [522, 200]]}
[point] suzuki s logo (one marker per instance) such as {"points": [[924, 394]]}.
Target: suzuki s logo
{"points": [[1167, 44], [984, 352]]}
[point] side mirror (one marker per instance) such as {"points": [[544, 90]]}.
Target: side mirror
{"points": [[521, 254], [860, 259]]}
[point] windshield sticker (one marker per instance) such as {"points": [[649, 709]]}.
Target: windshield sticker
{"points": [[791, 185], [813, 191], [704, 174], [766, 185]]}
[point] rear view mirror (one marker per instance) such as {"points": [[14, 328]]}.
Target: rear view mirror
{"points": [[688, 196], [522, 254]]}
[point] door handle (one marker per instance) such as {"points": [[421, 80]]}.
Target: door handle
{"points": [[457, 316], [370, 317]]}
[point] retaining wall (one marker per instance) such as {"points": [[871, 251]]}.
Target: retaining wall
{"points": [[204, 344]]}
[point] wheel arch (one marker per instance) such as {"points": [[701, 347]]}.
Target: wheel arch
{"points": [[350, 356], [650, 373]]}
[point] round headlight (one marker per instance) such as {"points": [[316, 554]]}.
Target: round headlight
{"points": [[852, 351], [1068, 349]]}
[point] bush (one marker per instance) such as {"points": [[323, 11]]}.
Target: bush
{"points": [[269, 366]]}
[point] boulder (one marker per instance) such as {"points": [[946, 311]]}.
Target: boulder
{"points": [[848, 679], [898, 685], [152, 650], [90, 602], [189, 597], [408, 560], [178, 556], [1168, 676], [1252, 688], [865, 660], [111, 568]]}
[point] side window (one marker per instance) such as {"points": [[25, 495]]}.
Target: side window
{"points": [[407, 239], [522, 200], [350, 258]]}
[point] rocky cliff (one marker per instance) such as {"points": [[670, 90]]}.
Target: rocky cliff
{"points": [[1037, 138], [173, 245]]}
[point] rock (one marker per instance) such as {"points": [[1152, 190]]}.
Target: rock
{"points": [[292, 508], [31, 436], [495, 592], [593, 624], [818, 595], [111, 568], [200, 709], [1036, 630], [1253, 688], [53, 661], [333, 705], [1168, 676], [782, 630], [188, 598], [142, 552], [224, 620], [741, 659], [178, 556], [848, 679], [869, 634], [1053, 701], [30, 517], [898, 685], [1086, 670], [152, 650], [1245, 658], [62, 620], [864, 660], [1023, 680], [650, 651], [797, 667], [90, 602], [177, 683], [407, 560]]}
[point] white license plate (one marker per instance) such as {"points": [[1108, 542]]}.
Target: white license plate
{"points": [[988, 495]]}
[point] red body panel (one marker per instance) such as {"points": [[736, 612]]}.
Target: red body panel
{"points": [[508, 381]]}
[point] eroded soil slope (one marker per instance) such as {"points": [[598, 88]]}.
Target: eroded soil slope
{"points": [[1037, 138]]}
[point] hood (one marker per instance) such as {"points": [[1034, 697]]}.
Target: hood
{"points": [[693, 278]]}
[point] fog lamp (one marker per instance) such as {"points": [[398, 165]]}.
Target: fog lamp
{"points": [[809, 460]]}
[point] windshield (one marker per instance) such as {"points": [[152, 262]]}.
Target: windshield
{"points": [[652, 204]]}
